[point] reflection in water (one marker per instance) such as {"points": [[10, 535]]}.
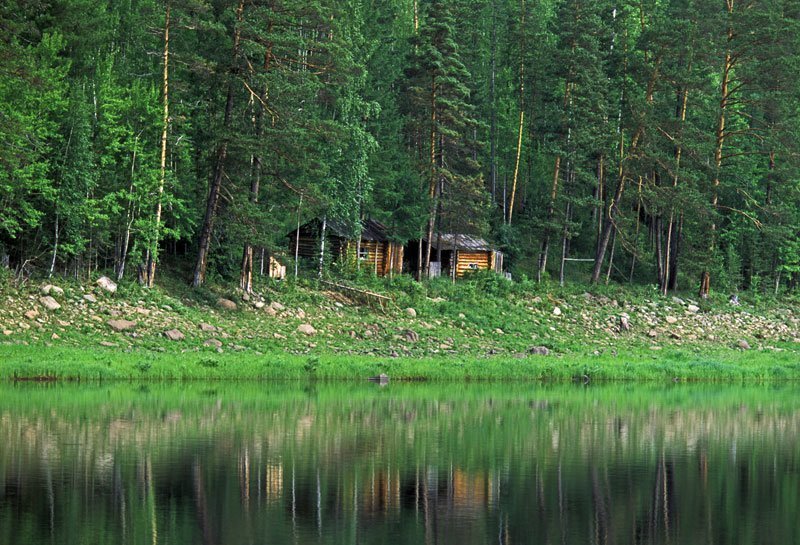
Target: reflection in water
{"points": [[294, 463]]}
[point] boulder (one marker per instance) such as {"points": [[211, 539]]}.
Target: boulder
{"points": [[301, 313], [539, 351], [276, 306], [174, 335], [50, 289], [744, 345], [49, 303], [32, 314], [121, 325], [410, 312], [259, 304], [410, 336], [105, 283], [693, 308], [215, 343], [226, 304], [672, 320], [207, 328], [556, 311], [306, 329], [624, 323], [89, 298]]}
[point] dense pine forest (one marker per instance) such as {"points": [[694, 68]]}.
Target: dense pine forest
{"points": [[645, 141]]}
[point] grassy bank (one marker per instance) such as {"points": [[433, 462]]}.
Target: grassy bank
{"points": [[482, 328], [69, 363]]}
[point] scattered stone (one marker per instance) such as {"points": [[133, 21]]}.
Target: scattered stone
{"points": [[121, 325], [142, 311], [306, 329], [62, 323], [410, 335], [32, 314], [394, 354], [174, 335], [536, 300], [674, 335], [271, 311], [246, 297], [278, 336], [216, 343], [693, 308], [624, 324], [107, 284], [301, 313], [276, 306], [744, 345], [49, 303], [89, 298], [672, 320], [499, 331], [226, 304], [54, 337], [652, 333], [108, 344], [678, 301], [411, 312], [539, 351], [259, 304], [7, 332], [50, 289], [556, 311]]}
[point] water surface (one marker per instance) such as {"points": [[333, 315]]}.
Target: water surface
{"points": [[229, 463]]}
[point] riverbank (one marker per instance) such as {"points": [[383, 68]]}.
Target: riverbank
{"points": [[484, 328]]}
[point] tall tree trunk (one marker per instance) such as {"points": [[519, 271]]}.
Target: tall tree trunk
{"points": [[434, 179], [323, 233], [152, 250], [613, 208], [521, 111], [493, 106], [219, 165]]}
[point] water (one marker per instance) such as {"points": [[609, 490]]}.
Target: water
{"points": [[229, 463]]}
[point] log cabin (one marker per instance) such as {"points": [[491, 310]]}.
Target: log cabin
{"points": [[464, 252], [376, 252]]}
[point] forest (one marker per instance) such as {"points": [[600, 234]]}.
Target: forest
{"points": [[646, 141]]}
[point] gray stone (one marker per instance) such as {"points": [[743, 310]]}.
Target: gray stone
{"points": [[226, 304], [49, 303], [539, 351], [107, 284], [693, 308], [174, 335], [121, 325], [215, 343], [306, 329], [50, 289], [744, 345], [108, 344], [672, 320], [412, 313], [276, 306], [556, 311], [410, 335], [89, 298], [624, 324], [259, 304], [32, 314]]}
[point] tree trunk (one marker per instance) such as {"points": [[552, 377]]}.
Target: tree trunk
{"points": [[521, 112], [322, 245], [219, 166], [152, 251], [433, 184]]}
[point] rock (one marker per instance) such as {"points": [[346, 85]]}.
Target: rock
{"points": [[536, 300], [89, 298], [226, 304], [278, 336], [556, 311], [121, 325], [394, 354], [7, 332], [672, 320], [383, 378], [410, 335], [539, 351], [54, 337], [216, 343], [412, 313], [49, 303], [108, 344], [744, 345], [301, 313], [276, 306], [693, 308], [271, 311], [174, 335], [674, 335], [32, 314], [652, 333], [306, 329], [499, 331], [624, 324], [107, 284], [259, 304], [677, 301], [142, 311], [246, 297], [50, 289]]}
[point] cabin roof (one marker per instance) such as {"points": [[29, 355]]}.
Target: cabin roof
{"points": [[462, 242]]}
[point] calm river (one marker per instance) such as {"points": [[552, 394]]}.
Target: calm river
{"points": [[229, 463]]}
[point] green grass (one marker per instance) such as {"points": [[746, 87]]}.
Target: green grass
{"points": [[39, 362]]}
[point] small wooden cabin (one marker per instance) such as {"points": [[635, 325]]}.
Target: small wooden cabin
{"points": [[464, 252], [375, 251]]}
